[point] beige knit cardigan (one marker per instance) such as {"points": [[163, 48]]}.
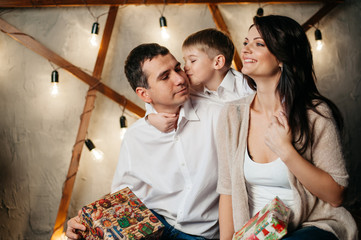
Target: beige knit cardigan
{"points": [[324, 152]]}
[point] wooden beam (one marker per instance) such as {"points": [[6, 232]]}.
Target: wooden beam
{"points": [[103, 49], [83, 128], [73, 3], [221, 25], [319, 15], [92, 81]]}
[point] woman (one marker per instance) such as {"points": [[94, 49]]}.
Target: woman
{"points": [[283, 141]]}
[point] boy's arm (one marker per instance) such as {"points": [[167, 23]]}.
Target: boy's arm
{"points": [[164, 122]]}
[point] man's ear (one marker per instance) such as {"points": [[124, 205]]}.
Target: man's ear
{"points": [[143, 94], [219, 61]]}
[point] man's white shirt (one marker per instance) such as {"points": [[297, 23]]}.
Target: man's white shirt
{"points": [[175, 173]]}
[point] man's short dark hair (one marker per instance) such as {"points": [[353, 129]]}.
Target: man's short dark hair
{"points": [[135, 60]]}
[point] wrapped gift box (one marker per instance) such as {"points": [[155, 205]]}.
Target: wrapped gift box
{"points": [[119, 216], [268, 224]]}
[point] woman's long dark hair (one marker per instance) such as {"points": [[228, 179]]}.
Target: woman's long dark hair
{"points": [[287, 41]]}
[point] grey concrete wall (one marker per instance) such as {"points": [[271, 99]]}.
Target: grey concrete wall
{"points": [[37, 131]]}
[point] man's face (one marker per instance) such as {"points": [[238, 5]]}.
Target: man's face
{"points": [[168, 84]]}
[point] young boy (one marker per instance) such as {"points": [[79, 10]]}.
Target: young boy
{"points": [[208, 56]]}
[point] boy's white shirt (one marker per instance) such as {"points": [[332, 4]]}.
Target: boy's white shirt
{"points": [[233, 87]]}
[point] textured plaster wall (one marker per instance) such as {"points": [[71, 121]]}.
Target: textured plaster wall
{"points": [[37, 131]]}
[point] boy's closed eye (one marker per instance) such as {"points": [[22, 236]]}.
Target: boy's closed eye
{"points": [[178, 67]]}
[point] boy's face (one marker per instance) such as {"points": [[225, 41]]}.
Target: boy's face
{"points": [[198, 66], [168, 84]]}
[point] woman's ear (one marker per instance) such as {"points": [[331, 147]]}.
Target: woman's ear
{"points": [[219, 61], [143, 94]]}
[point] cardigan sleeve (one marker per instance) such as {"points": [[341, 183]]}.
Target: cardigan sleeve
{"points": [[326, 145], [223, 148]]}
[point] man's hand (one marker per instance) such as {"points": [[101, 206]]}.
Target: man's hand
{"points": [[74, 224]]}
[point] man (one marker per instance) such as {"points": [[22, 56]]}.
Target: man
{"points": [[175, 173]]}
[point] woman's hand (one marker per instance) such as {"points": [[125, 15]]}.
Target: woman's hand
{"points": [[278, 136]]}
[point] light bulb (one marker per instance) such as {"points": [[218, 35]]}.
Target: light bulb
{"points": [[123, 126], [318, 38], [97, 155], [163, 27], [54, 89], [62, 236], [319, 45], [94, 35], [260, 12], [122, 133], [164, 33], [94, 40]]}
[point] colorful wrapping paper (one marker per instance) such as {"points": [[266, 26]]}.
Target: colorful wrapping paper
{"points": [[119, 216], [268, 224]]}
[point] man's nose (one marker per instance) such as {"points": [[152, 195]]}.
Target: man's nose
{"points": [[178, 78]]}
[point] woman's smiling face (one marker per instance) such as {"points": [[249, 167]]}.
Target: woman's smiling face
{"points": [[257, 60]]}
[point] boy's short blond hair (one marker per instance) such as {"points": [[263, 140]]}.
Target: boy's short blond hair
{"points": [[212, 42]]}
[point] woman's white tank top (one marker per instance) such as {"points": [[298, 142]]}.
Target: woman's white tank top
{"points": [[265, 181]]}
